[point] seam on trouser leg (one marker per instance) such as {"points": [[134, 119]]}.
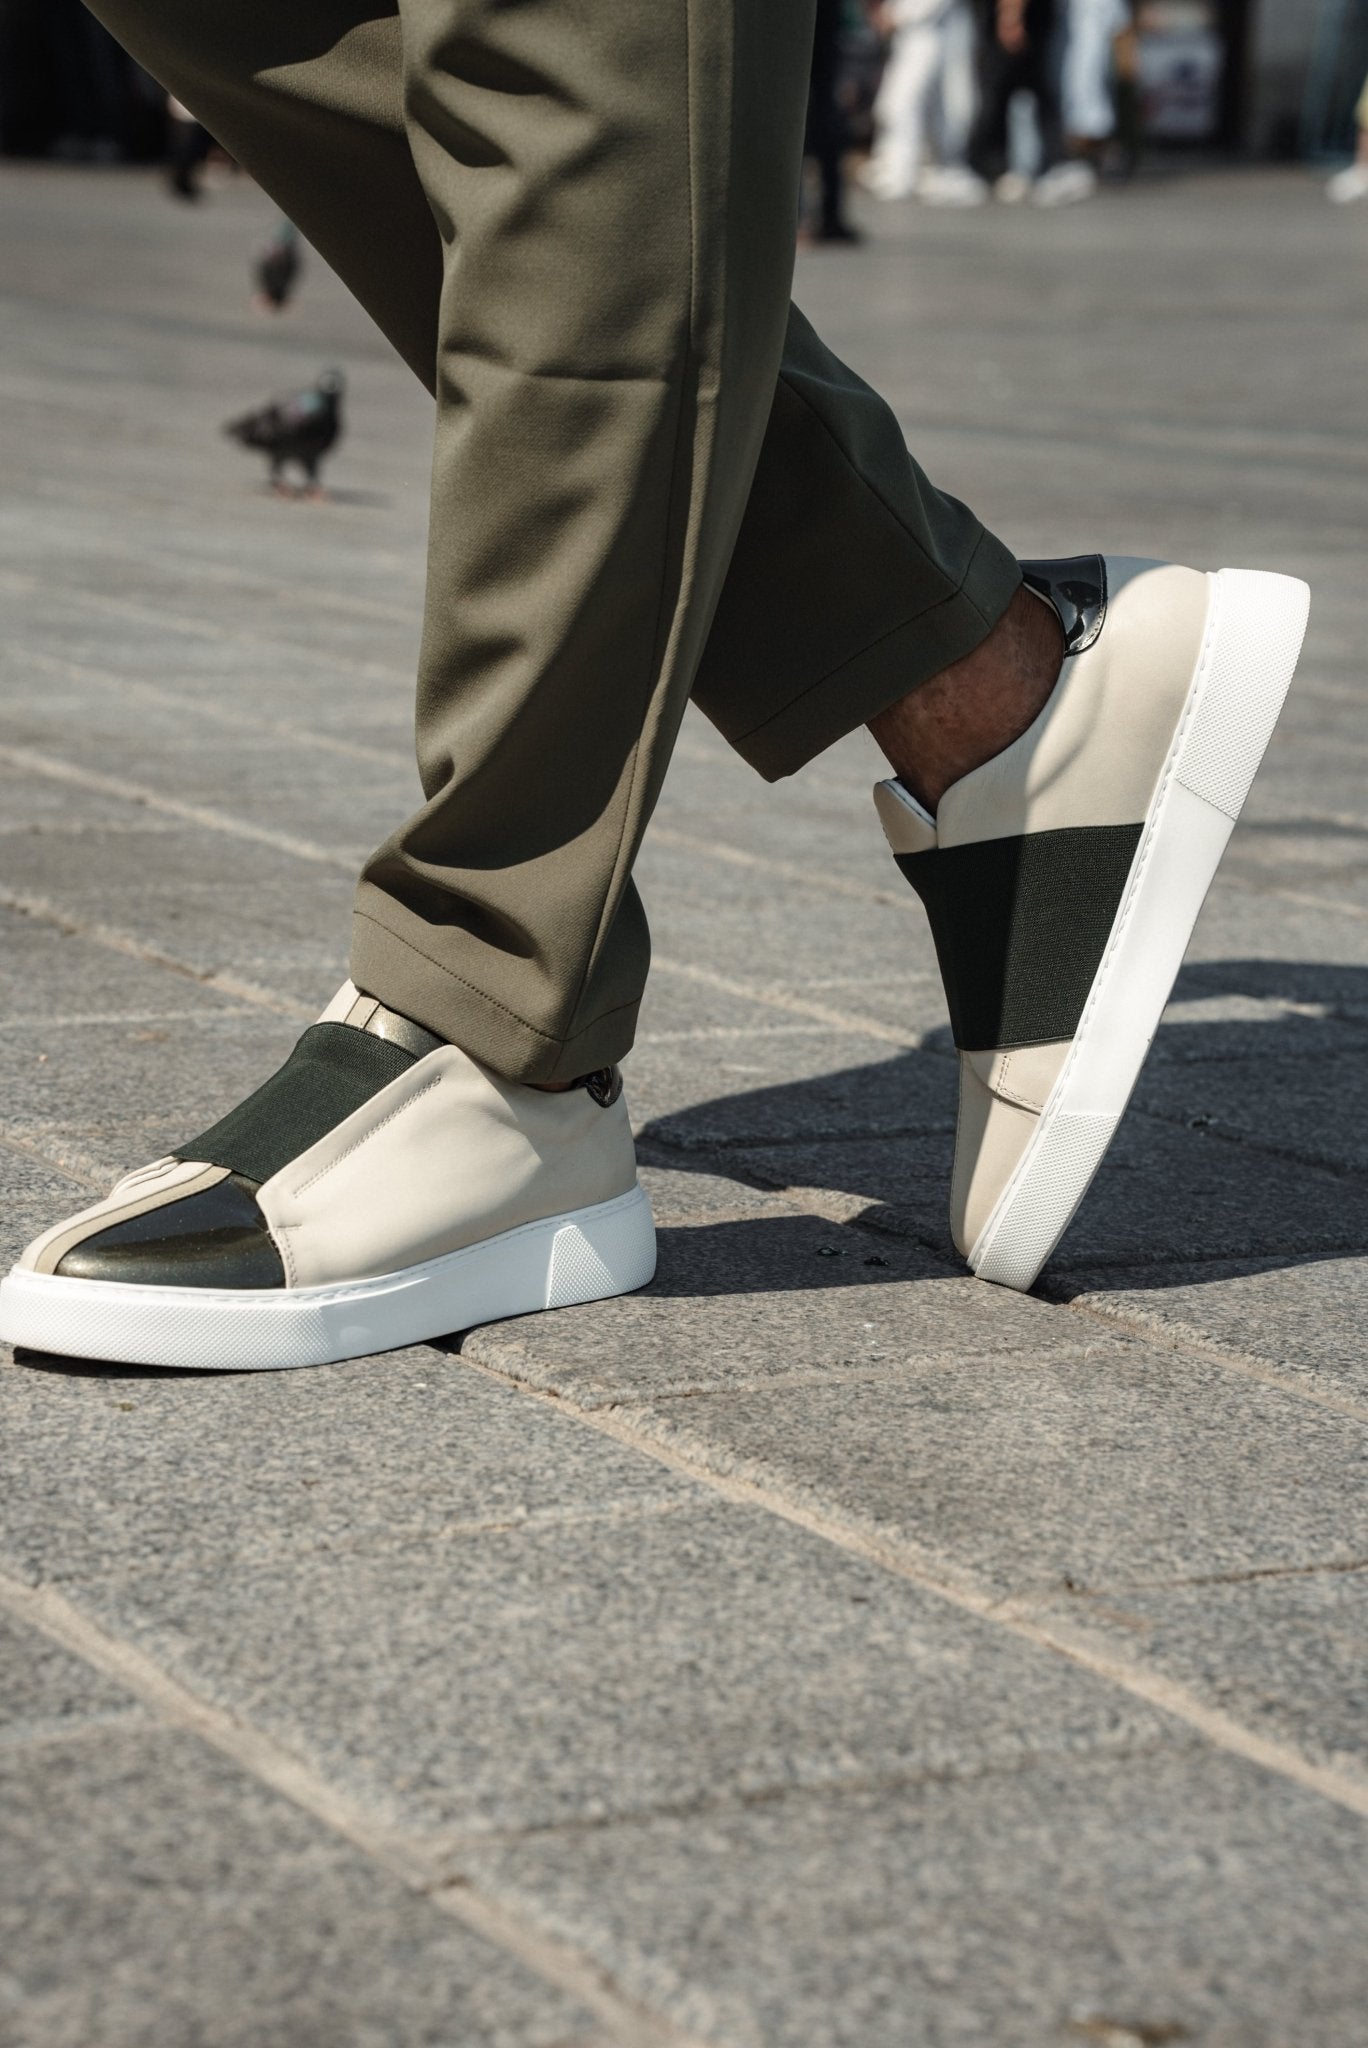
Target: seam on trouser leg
{"points": [[690, 375]]}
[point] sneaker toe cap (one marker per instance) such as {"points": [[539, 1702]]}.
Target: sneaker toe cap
{"points": [[216, 1237]]}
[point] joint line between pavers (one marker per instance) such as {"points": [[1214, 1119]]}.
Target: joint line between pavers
{"points": [[1301, 897], [33, 763], [202, 569], [856, 1213], [44, 911], [842, 1021], [113, 1019], [660, 832], [209, 629], [875, 1373], [1110, 1589], [10, 1141], [1184, 1338], [782, 870], [785, 1791], [1226, 1134], [263, 1758], [1338, 1786], [214, 714]]}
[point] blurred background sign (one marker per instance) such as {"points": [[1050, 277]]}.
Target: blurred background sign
{"points": [[1185, 57]]}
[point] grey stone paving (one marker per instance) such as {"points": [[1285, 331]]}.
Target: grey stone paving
{"points": [[819, 1648]]}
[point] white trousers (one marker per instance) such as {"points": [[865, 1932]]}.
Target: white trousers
{"points": [[1089, 111], [927, 81]]}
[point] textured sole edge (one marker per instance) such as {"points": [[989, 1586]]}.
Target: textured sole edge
{"points": [[582, 1255], [1255, 628]]}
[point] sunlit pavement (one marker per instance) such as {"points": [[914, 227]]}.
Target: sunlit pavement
{"points": [[820, 1648]]}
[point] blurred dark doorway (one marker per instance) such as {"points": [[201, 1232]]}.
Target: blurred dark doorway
{"points": [[67, 90]]}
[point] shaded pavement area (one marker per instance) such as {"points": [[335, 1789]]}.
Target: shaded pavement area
{"points": [[820, 1647]]}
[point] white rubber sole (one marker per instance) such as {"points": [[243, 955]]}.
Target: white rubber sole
{"points": [[584, 1255], [1255, 626]]}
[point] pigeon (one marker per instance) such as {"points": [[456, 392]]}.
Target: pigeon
{"points": [[275, 271], [301, 430]]}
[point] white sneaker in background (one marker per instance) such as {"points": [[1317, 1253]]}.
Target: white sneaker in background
{"points": [[951, 185], [1012, 188], [1066, 185], [883, 179], [1349, 185]]}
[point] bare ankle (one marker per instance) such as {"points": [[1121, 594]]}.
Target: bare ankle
{"points": [[959, 719]]}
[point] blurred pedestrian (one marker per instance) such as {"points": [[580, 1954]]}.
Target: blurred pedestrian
{"points": [[826, 139], [1017, 54], [187, 146], [919, 145], [1092, 30], [1352, 183]]}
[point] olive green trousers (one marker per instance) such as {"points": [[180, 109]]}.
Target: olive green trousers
{"points": [[575, 221]]}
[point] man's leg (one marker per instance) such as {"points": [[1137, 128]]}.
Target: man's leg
{"points": [[599, 433], [581, 524], [998, 79]]}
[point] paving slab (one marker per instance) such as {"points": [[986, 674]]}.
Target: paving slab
{"points": [[36, 1194], [123, 582], [765, 1782], [46, 1693], [102, 1099], [1070, 1467], [1306, 1317], [745, 927], [50, 979], [1312, 1107], [779, 1079], [204, 1909], [680, 1200], [1285, 1654], [251, 773], [515, 1677], [796, 1090], [120, 1473], [1168, 1897], [217, 902], [1292, 930], [1298, 995], [258, 674]]}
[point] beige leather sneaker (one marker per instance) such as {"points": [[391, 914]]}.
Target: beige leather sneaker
{"points": [[381, 1189], [1062, 879]]}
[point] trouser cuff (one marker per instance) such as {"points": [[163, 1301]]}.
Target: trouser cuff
{"points": [[904, 655], [407, 978]]}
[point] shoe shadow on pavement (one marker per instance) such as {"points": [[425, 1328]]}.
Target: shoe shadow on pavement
{"points": [[1245, 1149]]}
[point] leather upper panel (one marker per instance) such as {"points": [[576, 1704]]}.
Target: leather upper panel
{"points": [[1095, 754], [1077, 588], [216, 1237], [447, 1154]]}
